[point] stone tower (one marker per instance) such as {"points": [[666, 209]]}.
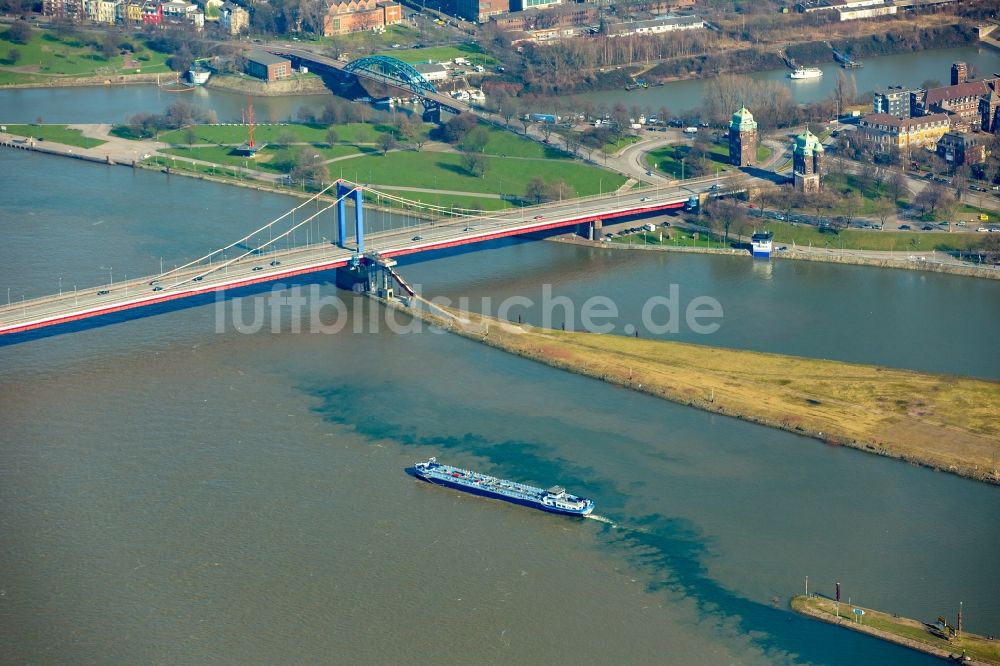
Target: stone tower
{"points": [[743, 138], [807, 162], [959, 73]]}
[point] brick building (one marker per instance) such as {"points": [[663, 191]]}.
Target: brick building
{"points": [[268, 67], [359, 15], [743, 138], [961, 148], [807, 162], [478, 11]]}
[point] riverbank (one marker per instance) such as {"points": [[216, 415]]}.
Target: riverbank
{"points": [[873, 258], [942, 422], [306, 84], [981, 651]]}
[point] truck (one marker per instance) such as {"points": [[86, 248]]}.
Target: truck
{"points": [[544, 118]]}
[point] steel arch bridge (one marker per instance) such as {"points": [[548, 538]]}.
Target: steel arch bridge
{"points": [[393, 71]]}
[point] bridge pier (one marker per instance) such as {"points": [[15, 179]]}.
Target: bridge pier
{"points": [[596, 231], [342, 191], [359, 220]]}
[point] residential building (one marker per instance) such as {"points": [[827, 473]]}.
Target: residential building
{"points": [[132, 12], [655, 26], [73, 10], [896, 101], [102, 11], [233, 19], [478, 11], [180, 11], [961, 148], [807, 162], [267, 66], [887, 132], [152, 13], [358, 15], [961, 100], [743, 138], [989, 111]]}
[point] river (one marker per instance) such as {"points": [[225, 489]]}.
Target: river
{"points": [[173, 493], [115, 104], [905, 69]]}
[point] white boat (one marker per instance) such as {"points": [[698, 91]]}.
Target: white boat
{"points": [[806, 73], [198, 75]]}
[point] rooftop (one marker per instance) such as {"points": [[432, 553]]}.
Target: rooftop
{"points": [[265, 58]]}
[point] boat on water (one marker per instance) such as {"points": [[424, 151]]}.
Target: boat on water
{"points": [[760, 244], [806, 73], [553, 500]]}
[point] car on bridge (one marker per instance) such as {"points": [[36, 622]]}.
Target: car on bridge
{"points": [[538, 217], [417, 238]]}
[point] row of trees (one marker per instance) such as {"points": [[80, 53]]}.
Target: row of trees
{"points": [[177, 115]]}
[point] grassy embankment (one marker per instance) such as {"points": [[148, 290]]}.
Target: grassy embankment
{"points": [[46, 56], [944, 422], [57, 133], [902, 630], [804, 235], [512, 161]]}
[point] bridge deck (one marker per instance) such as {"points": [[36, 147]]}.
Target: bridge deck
{"points": [[254, 269]]}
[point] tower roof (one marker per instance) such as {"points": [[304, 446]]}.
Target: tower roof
{"points": [[808, 143], [743, 120]]}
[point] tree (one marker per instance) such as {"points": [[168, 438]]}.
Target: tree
{"points": [[189, 136], [896, 186], [286, 137], [546, 130], [13, 56], [109, 45], [884, 209], [934, 199], [386, 141], [535, 190], [475, 163], [475, 141], [723, 213], [19, 32], [558, 190], [331, 135]]}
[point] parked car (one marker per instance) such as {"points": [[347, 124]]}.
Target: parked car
{"points": [[927, 227], [904, 227]]}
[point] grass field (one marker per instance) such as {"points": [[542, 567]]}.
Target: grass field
{"points": [[673, 237], [46, 54], [273, 159], [975, 646], [471, 52], [350, 133], [863, 239], [444, 171], [945, 421], [57, 133], [503, 142]]}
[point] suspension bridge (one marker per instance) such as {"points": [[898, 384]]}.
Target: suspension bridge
{"points": [[317, 235]]}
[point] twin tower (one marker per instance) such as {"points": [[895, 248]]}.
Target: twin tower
{"points": [[807, 151]]}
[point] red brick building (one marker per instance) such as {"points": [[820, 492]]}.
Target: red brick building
{"points": [[358, 15]]}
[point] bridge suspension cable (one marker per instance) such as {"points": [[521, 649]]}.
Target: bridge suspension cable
{"points": [[259, 249], [249, 235]]}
